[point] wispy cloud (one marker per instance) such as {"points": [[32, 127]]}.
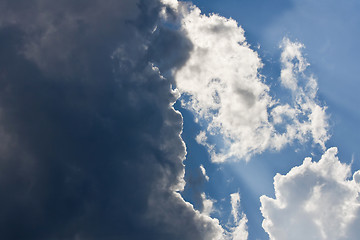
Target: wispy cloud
{"points": [[239, 232]]}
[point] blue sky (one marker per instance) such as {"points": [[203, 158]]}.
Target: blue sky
{"points": [[329, 31]]}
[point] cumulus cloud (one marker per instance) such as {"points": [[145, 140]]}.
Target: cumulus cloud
{"points": [[232, 101], [90, 143], [315, 200]]}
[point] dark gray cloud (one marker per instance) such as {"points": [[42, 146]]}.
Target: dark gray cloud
{"points": [[89, 142]]}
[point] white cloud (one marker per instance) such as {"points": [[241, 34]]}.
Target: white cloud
{"points": [[304, 90], [235, 205], [316, 200], [291, 52], [239, 232], [208, 205], [230, 98], [221, 77], [203, 171], [171, 3]]}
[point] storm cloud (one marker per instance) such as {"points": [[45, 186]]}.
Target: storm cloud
{"points": [[90, 144]]}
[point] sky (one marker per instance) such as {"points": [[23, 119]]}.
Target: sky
{"points": [[167, 119], [327, 31]]}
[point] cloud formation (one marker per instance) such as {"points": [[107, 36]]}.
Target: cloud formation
{"points": [[223, 88], [315, 200], [90, 143]]}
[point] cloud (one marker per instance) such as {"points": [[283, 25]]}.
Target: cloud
{"points": [[203, 171], [304, 90], [222, 86], [208, 205], [315, 200], [90, 142], [239, 232], [195, 181]]}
